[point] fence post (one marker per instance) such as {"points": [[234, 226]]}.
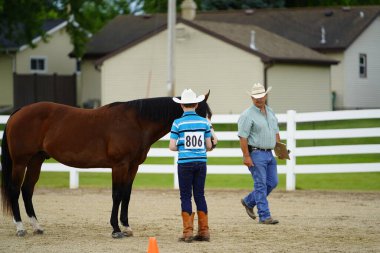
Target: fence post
{"points": [[176, 183], [74, 178], [291, 144]]}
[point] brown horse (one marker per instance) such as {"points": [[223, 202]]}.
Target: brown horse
{"points": [[116, 136]]}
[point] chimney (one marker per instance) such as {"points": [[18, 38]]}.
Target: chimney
{"points": [[252, 45], [323, 35], [188, 8]]}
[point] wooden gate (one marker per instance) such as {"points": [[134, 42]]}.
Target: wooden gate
{"points": [[31, 88]]}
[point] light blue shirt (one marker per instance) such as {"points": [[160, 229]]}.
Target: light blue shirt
{"points": [[191, 132], [260, 130]]}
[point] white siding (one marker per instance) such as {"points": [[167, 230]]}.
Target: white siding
{"points": [[56, 51], [202, 63], [363, 92], [337, 78], [6, 80], [299, 87], [88, 83], [137, 72]]}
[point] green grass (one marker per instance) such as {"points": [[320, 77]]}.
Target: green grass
{"points": [[342, 181], [103, 180], [339, 124], [346, 181]]}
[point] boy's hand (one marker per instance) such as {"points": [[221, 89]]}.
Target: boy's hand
{"points": [[214, 142]]}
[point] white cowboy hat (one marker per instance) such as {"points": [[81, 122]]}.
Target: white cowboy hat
{"points": [[258, 90], [189, 97]]}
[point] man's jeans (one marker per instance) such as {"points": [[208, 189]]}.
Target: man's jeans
{"points": [[264, 174], [192, 177]]}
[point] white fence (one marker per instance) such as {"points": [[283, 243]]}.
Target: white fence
{"points": [[291, 118]]}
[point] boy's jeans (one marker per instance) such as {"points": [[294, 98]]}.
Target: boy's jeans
{"points": [[192, 177]]}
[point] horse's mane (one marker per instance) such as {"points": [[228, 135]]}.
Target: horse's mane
{"points": [[160, 108]]}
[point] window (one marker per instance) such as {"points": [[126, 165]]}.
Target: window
{"points": [[362, 65], [38, 64]]}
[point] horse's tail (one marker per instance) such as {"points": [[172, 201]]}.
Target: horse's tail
{"points": [[6, 174]]}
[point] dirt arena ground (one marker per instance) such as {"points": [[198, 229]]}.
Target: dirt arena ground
{"points": [[310, 221]]}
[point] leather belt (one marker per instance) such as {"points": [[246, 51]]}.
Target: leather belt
{"points": [[251, 148]]}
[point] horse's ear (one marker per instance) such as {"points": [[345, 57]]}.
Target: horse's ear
{"points": [[207, 94]]}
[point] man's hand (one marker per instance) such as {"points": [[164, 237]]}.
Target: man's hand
{"points": [[247, 160]]}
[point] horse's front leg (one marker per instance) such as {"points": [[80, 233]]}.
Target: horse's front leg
{"points": [[124, 211], [122, 180], [116, 199]]}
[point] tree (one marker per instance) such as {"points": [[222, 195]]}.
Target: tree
{"points": [[86, 17], [22, 20]]}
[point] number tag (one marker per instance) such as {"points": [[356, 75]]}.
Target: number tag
{"points": [[194, 140]]}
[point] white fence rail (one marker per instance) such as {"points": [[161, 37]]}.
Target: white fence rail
{"points": [[291, 118]]}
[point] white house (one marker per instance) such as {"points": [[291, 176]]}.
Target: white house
{"points": [[350, 35], [127, 60], [46, 58]]}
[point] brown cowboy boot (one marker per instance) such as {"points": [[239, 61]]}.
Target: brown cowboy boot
{"points": [[188, 221], [203, 231]]}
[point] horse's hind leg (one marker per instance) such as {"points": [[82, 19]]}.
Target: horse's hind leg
{"points": [[31, 177], [17, 179]]}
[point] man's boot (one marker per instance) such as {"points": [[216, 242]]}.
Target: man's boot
{"points": [[203, 231], [188, 225]]}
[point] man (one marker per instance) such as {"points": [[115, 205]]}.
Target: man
{"points": [[258, 132], [191, 135]]}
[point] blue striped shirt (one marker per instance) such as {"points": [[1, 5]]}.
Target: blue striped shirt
{"points": [[260, 130], [191, 132]]}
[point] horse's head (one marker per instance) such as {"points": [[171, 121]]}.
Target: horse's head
{"points": [[203, 108]]}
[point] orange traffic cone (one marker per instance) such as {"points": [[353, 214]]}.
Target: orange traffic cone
{"points": [[153, 247]]}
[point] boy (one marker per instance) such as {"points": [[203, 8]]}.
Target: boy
{"points": [[191, 136]]}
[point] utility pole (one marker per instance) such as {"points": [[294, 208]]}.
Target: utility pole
{"points": [[171, 47]]}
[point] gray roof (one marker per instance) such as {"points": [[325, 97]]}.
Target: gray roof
{"points": [[126, 30], [9, 44], [269, 46], [342, 25], [282, 35]]}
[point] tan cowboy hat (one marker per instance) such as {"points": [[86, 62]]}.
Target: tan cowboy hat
{"points": [[189, 97], [258, 90]]}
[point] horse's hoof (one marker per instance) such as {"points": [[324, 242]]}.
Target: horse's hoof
{"points": [[117, 235], [128, 232], [21, 233], [38, 232]]}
